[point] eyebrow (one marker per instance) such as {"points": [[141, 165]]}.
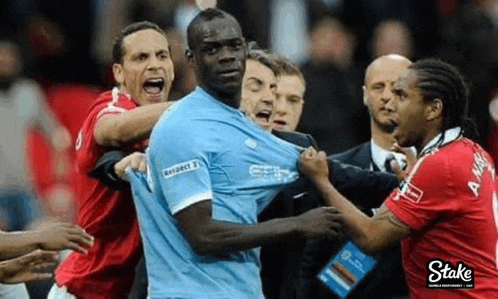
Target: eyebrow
{"points": [[398, 91], [221, 41], [257, 80], [378, 83], [163, 51]]}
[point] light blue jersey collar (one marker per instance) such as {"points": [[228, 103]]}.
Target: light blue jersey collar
{"points": [[207, 96]]}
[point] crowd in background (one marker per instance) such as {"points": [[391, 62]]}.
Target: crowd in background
{"points": [[62, 49]]}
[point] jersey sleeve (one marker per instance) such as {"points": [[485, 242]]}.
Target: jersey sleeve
{"points": [[427, 193], [88, 151], [180, 163]]}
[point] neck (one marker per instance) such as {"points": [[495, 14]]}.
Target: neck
{"points": [[431, 134], [382, 137], [231, 99]]}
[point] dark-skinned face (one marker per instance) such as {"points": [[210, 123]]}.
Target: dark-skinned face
{"points": [[219, 56], [409, 111]]}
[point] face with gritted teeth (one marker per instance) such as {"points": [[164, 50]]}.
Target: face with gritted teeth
{"points": [[259, 86], [146, 72]]}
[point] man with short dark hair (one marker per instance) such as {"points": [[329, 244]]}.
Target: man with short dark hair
{"points": [[211, 170], [119, 119], [289, 102]]}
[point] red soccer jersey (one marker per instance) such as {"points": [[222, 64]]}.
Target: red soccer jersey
{"points": [[107, 214], [447, 201]]}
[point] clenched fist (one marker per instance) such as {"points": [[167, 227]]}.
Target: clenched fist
{"points": [[313, 164]]}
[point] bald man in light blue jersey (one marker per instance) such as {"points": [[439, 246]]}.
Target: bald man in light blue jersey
{"points": [[211, 170]]}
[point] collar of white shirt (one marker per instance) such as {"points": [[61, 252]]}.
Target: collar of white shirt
{"points": [[379, 156]]}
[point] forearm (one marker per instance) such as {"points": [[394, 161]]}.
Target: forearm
{"points": [[210, 236], [8, 267], [131, 126], [15, 244], [357, 223], [220, 238]]}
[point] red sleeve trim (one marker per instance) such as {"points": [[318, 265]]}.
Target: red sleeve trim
{"points": [[399, 213]]}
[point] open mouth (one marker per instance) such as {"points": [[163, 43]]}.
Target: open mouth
{"points": [[263, 116], [279, 124], [393, 126], [154, 86]]}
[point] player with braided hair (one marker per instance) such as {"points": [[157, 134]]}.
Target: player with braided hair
{"points": [[446, 210], [441, 80]]}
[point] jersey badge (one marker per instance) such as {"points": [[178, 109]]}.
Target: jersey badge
{"points": [[251, 143], [181, 168], [410, 192]]}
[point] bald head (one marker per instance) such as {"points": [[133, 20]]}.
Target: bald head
{"points": [[196, 30], [379, 80], [386, 65]]}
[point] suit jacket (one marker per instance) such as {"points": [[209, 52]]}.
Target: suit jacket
{"points": [[387, 278], [360, 156], [280, 263]]}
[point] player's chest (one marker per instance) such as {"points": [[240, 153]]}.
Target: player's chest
{"points": [[247, 162]]}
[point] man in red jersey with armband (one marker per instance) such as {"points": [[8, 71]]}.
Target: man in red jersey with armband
{"points": [[445, 212], [119, 119]]}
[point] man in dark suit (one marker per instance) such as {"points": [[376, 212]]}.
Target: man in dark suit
{"points": [[278, 108], [374, 155]]}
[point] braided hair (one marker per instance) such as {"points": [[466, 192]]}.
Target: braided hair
{"points": [[440, 80]]}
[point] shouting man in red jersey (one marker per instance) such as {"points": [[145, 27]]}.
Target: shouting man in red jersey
{"points": [[119, 119]]}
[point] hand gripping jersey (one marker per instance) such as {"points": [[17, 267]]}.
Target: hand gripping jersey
{"points": [[449, 201], [107, 214], [200, 150]]}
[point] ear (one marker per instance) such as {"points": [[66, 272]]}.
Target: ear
{"points": [[171, 71], [364, 95], [117, 70], [190, 58], [434, 109]]}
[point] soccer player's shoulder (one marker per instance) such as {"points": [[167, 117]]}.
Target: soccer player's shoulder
{"points": [[452, 160]]}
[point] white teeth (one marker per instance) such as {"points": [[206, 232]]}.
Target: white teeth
{"points": [[157, 80]]}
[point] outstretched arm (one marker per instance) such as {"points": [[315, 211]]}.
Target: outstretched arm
{"points": [[130, 126], [35, 265], [371, 234], [56, 236], [364, 188], [212, 237]]}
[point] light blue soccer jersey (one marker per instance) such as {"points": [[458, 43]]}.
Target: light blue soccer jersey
{"points": [[202, 149]]}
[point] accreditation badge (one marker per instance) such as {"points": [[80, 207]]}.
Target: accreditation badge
{"points": [[346, 269]]}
